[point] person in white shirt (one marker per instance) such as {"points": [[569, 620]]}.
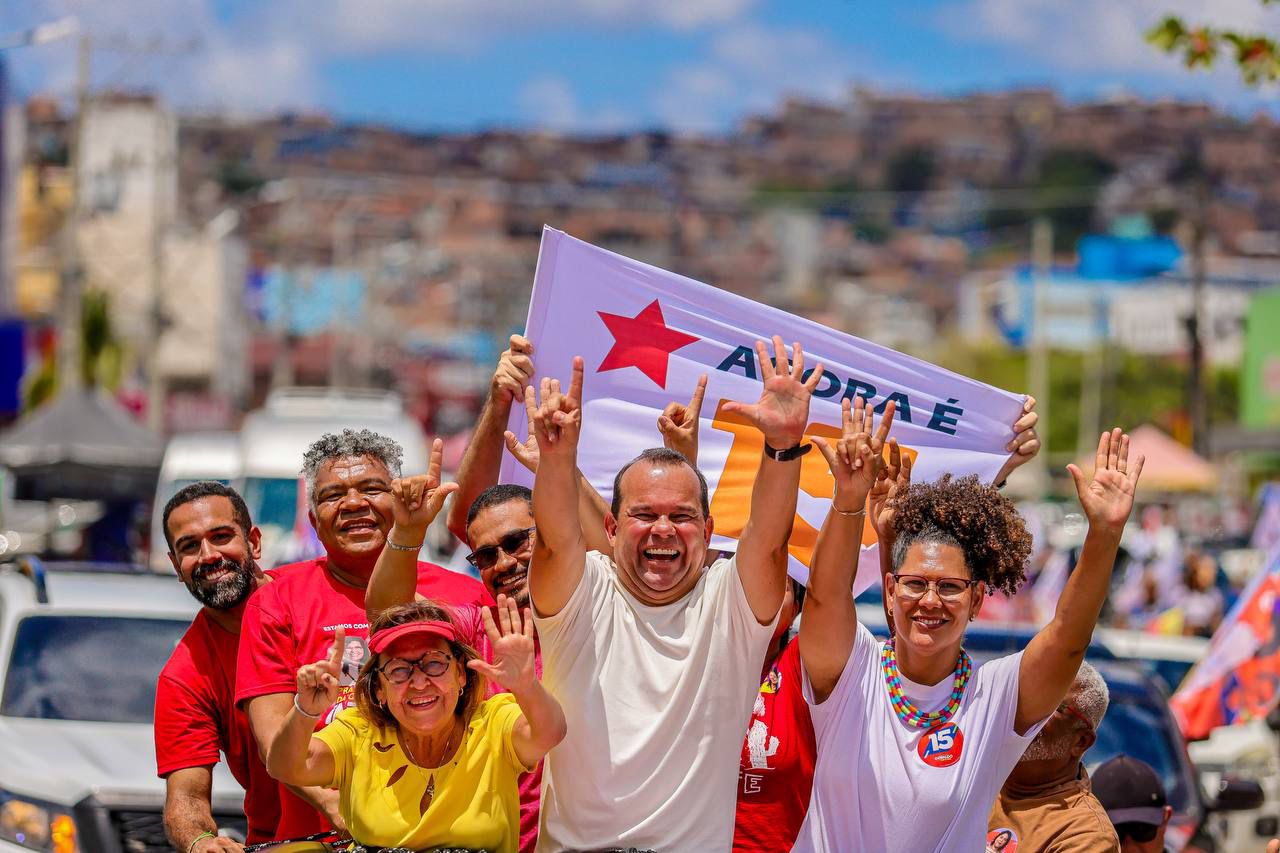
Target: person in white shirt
{"points": [[656, 656], [914, 741]]}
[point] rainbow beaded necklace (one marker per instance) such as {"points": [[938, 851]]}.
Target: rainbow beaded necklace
{"points": [[902, 706]]}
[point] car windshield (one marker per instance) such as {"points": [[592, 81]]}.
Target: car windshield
{"points": [[1133, 727], [273, 501], [88, 668]]}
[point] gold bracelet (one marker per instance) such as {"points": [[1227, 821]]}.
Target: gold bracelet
{"points": [[862, 511]]}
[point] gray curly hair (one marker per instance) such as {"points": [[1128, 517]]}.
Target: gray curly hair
{"points": [[1090, 694], [350, 442]]}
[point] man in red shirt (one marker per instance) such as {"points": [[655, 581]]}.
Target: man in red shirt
{"points": [[293, 621], [214, 548]]}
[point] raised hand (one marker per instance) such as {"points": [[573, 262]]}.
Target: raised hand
{"points": [[1025, 443], [782, 412], [557, 418], [894, 477], [857, 458], [1107, 499], [679, 424], [417, 500], [318, 682], [515, 369], [525, 452], [513, 647]]}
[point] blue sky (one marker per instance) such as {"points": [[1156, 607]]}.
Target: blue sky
{"points": [[694, 65]]}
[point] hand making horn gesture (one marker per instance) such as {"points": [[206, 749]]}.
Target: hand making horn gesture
{"points": [[318, 682], [557, 416], [857, 458], [418, 499], [525, 452], [513, 649], [782, 412], [1107, 499], [679, 423], [894, 478]]}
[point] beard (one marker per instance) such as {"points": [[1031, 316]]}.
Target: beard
{"points": [[224, 594], [1046, 749]]}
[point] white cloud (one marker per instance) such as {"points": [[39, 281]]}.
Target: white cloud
{"points": [[750, 67], [1098, 35], [269, 55], [551, 102]]}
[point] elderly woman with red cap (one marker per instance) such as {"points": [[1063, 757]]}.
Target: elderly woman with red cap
{"points": [[424, 760]]}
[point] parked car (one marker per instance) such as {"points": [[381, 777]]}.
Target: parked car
{"points": [[1247, 751], [1138, 723], [81, 646]]}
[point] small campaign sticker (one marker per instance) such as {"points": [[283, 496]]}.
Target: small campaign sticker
{"points": [[941, 745]]}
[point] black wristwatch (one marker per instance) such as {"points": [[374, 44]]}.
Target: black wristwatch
{"points": [[788, 454]]}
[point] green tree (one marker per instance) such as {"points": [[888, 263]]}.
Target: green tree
{"points": [[101, 355], [1199, 46]]}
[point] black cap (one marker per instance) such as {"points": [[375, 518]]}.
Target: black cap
{"points": [[1130, 790]]}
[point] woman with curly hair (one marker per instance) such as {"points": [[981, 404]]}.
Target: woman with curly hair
{"points": [[914, 741], [424, 761]]}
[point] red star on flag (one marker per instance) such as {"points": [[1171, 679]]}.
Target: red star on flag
{"points": [[642, 341]]}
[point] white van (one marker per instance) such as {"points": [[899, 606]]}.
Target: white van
{"points": [[274, 438], [189, 457]]}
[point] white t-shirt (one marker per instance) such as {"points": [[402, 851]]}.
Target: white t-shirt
{"points": [[882, 785], [656, 700]]}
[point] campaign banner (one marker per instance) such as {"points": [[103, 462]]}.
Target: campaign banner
{"points": [[646, 335], [1238, 679]]}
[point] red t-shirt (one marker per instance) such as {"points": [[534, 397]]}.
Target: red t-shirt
{"points": [[471, 625], [775, 772], [196, 718], [292, 621]]}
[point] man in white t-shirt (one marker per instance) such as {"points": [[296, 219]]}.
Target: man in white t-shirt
{"points": [[654, 656]]}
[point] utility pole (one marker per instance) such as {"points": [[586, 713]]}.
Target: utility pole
{"points": [[1196, 404], [72, 267], [1038, 356], [1092, 378], [155, 379]]}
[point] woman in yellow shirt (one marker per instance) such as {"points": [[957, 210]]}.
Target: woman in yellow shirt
{"points": [[424, 760]]}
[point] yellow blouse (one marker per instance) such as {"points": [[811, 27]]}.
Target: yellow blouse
{"points": [[388, 801]]}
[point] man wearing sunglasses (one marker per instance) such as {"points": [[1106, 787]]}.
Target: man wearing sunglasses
{"points": [[1046, 803]]}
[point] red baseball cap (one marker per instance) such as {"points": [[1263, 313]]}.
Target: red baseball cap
{"points": [[424, 628]]}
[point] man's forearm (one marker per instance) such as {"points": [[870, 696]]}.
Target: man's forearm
{"points": [[186, 818], [773, 506], [481, 462], [592, 508], [555, 502], [395, 574]]}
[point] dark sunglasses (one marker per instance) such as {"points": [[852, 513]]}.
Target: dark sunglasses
{"points": [[399, 670], [512, 543]]}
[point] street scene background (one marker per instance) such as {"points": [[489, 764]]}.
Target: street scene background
{"points": [[227, 227]]}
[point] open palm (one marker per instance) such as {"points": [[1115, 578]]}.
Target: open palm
{"points": [[782, 412], [1107, 499], [513, 647]]}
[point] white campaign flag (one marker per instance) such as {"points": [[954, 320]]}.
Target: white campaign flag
{"points": [[646, 335]]}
